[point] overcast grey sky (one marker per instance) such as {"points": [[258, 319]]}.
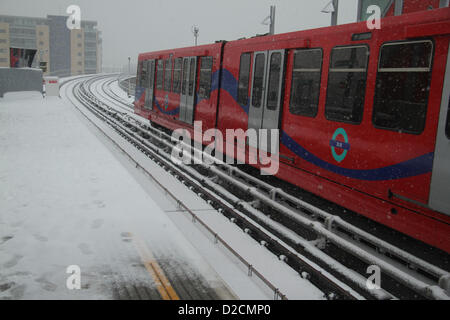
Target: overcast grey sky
{"points": [[133, 26]]}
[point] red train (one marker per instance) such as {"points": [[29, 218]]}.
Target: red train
{"points": [[363, 115]]}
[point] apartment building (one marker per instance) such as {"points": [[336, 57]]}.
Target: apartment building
{"points": [[59, 50]]}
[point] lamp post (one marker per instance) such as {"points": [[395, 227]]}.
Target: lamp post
{"points": [[270, 20], [195, 31], [333, 8]]}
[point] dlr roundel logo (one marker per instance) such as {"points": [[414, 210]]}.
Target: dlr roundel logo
{"points": [[341, 146]]}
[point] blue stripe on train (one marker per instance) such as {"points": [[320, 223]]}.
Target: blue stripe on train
{"points": [[408, 168]]}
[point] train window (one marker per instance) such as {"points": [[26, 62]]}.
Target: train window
{"points": [[273, 97], [305, 88], [258, 79], [139, 77], [177, 75], [191, 77], [168, 75], [244, 77], [150, 74], [160, 75], [347, 84], [144, 74], [185, 76], [204, 90], [403, 85]]}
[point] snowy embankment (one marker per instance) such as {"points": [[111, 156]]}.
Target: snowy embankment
{"points": [[68, 195], [66, 200]]}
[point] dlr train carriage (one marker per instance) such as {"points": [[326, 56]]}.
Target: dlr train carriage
{"points": [[363, 115]]}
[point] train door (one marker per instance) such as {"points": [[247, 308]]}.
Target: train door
{"points": [[188, 90], [440, 181], [150, 85], [266, 95]]}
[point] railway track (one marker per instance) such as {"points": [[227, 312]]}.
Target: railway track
{"points": [[332, 253]]}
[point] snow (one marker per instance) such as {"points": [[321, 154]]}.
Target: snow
{"points": [[117, 90], [66, 200], [68, 196], [287, 280]]}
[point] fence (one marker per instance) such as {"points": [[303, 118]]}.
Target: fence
{"points": [[20, 79]]}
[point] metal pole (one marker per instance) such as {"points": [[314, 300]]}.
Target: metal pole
{"points": [[272, 20], [195, 31], [360, 10], [334, 14]]}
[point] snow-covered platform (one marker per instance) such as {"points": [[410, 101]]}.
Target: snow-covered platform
{"points": [[66, 200], [69, 196]]}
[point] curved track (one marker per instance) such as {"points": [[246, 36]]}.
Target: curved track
{"points": [[332, 253]]}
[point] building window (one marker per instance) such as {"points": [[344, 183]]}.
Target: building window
{"points": [[160, 75], [347, 84], [41, 33], [168, 75], [244, 78], [2, 40], [79, 45], [2, 31], [79, 54], [305, 87], [79, 35], [177, 75], [204, 90], [403, 85], [3, 60], [41, 43]]}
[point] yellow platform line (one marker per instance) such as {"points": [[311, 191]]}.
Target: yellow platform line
{"points": [[163, 284]]}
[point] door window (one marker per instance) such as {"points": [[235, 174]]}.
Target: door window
{"points": [[258, 80], [160, 75], [244, 78], [273, 97]]}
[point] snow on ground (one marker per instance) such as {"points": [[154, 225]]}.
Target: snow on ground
{"points": [[283, 277], [65, 200], [68, 196], [117, 90]]}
